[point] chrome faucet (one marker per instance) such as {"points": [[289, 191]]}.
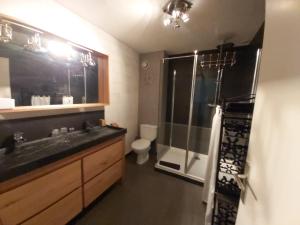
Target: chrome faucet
{"points": [[13, 141], [87, 126]]}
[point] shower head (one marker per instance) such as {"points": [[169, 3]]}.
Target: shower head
{"points": [[225, 47]]}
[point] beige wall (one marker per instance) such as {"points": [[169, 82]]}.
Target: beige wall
{"points": [[150, 87], [274, 150], [124, 61]]}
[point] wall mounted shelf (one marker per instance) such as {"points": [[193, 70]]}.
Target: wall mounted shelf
{"points": [[22, 112]]}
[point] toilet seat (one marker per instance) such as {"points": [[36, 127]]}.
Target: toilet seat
{"points": [[140, 144]]}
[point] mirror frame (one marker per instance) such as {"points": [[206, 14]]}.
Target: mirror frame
{"points": [[20, 112]]}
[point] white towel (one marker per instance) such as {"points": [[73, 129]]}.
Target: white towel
{"points": [[211, 170]]}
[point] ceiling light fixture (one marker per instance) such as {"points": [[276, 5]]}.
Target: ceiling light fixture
{"points": [[176, 11]]}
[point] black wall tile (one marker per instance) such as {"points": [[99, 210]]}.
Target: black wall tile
{"points": [[40, 127]]}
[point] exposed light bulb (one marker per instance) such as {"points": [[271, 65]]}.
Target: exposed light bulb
{"points": [[185, 17], [167, 21], [175, 13]]}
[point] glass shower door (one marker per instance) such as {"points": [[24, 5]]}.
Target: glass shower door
{"points": [[201, 120], [174, 110]]}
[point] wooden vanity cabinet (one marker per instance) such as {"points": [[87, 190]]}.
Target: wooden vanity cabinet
{"points": [[31, 198], [95, 187], [61, 212], [101, 169], [97, 162], [57, 195]]}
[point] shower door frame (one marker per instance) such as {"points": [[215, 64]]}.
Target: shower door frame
{"points": [[191, 112], [191, 106]]}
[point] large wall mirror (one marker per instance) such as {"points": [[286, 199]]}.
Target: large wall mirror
{"points": [[38, 68]]}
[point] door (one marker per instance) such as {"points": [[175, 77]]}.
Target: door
{"points": [[274, 154]]}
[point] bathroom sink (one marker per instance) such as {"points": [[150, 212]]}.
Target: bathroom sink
{"points": [[34, 154], [57, 143]]}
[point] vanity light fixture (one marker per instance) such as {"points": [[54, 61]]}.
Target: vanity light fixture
{"points": [[176, 12], [87, 59], [5, 32], [34, 43]]}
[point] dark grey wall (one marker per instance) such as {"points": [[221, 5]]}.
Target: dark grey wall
{"points": [[40, 127], [258, 39], [237, 81]]}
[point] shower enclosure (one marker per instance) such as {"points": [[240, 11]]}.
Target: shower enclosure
{"points": [[187, 105], [186, 117]]}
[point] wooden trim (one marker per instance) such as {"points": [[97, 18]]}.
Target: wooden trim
{"points": [[49, 110], [22, 179], [124, 164], [103, 79]]}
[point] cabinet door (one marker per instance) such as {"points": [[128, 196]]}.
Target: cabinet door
{"points": [[97, 162], [31, 198], [61, 212], [100, 183]]}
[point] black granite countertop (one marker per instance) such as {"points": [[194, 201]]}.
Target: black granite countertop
{"points": [[32, 155]]}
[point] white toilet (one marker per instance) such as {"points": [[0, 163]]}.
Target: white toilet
{"points": [[141, 147]]}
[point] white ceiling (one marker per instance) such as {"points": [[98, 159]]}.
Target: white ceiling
{"points": [[138, 23]]}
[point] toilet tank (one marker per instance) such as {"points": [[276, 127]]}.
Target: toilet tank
{"points": [[148, 132]]}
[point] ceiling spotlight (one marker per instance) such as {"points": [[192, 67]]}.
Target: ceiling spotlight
{"points": [[5, 32], [176, 12]]}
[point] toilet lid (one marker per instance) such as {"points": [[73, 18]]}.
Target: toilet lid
{"points": [[140, 144]]}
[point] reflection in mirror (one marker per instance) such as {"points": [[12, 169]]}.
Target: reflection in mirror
{"points": [[4, 78], [41, 69]]}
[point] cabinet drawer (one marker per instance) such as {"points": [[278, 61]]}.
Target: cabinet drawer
{"points": [[61, 212], [97, 162], [100, 183], [31, 198]]}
